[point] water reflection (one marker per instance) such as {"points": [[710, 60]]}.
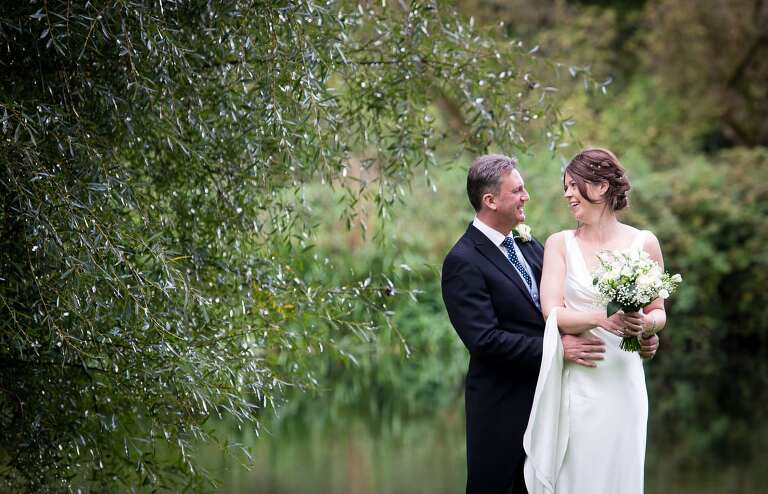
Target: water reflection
{"points": [[424, 456]]}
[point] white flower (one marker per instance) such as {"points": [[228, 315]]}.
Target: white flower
{"points": [[611, 275], [643, 281], [524, 232], [630, 278]]}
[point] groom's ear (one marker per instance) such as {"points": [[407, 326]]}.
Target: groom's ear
{"points": [[489, 201]]}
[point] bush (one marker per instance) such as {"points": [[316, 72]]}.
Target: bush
{"points": [[710, 378]]}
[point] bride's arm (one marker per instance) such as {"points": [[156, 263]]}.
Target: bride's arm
{"points": [[569, 321], [655, 315]]}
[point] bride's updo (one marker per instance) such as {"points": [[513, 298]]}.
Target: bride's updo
{"points": [[596, 166]]}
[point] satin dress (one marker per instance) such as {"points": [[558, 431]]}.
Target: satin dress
{"points": [[587, 430]]}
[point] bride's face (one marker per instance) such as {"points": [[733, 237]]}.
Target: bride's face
{"points": [[581, 208]]}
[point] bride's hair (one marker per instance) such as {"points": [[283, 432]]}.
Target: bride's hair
{"points": [[596, 166]]}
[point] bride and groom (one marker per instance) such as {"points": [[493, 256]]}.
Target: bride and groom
{"points": [[552, 404]]}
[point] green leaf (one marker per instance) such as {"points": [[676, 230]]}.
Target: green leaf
{"points": [[612, 308]]}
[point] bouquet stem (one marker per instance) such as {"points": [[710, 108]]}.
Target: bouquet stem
{"points": [[630, 344]]}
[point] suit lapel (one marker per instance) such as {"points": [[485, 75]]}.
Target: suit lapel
{"points": [[493, 254]]}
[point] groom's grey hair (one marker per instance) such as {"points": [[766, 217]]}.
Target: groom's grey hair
{"points": [[485, 176]]}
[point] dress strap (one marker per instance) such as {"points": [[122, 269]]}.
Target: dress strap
{"points": [[570, 238], [639, 240]]}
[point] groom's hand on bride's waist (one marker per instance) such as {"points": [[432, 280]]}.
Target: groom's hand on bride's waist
{"points": [[648, 346], [583, 349]]}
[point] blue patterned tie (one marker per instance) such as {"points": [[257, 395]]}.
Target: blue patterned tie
{"points": [[509, 243]]}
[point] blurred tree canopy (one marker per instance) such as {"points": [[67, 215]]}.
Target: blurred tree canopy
{"points": [[155, 257], [707, 59]]}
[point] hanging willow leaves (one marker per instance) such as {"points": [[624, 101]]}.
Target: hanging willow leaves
{"points": [[154, 156]]}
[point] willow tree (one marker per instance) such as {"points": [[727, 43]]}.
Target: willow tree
{"points": [[154, 154]]}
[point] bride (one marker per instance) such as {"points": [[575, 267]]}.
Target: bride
{"points": [[586, 432]]}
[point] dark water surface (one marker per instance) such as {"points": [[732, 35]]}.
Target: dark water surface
{"points": [[428, 457]]}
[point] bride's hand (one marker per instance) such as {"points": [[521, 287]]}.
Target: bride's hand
{"points": [[633, 323], [613, 324]]}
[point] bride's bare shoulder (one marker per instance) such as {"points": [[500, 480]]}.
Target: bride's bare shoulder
{"points": [[651, 245], [556, 241]]}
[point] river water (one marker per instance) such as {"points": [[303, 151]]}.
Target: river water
{"points": [[427, 456]]}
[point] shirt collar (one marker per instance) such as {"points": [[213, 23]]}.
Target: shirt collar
{"points": [[493, 235]]}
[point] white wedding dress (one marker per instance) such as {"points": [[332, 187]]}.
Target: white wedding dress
{"points": [[586, 433]]}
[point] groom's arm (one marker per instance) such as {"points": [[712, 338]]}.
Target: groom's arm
{"points": [[471, 311]]}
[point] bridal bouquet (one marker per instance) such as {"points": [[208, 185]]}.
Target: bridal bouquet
{"points": [[629, 280]]}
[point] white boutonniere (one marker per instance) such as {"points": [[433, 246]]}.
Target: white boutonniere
{"points": [[523, 232]]}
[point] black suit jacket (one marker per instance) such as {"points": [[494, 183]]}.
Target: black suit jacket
{"points": [[495, 317]]}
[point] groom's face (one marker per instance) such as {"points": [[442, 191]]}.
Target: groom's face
{"points": [[511, 199]]}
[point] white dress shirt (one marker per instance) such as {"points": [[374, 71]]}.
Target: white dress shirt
{"points": [[497, 238]]}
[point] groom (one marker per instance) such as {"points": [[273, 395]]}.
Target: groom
{"points": [[490, 285]]}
